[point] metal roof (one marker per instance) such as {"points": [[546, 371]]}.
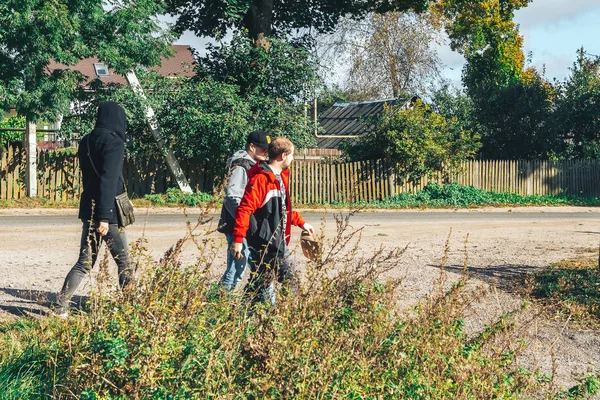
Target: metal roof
{"points": [[353, 119]]}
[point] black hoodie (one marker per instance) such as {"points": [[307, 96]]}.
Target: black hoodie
{"points": [[106, 145]]}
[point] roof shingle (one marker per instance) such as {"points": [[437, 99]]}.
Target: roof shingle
{"points": [[180, 64]]}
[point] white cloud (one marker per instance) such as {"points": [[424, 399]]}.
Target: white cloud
{"points": [[548, 12], [554, 66]]}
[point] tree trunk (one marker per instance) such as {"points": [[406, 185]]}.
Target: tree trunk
{"points": [[258, 22]]}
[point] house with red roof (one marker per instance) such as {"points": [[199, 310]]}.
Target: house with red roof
{"points": [[181, 63]]}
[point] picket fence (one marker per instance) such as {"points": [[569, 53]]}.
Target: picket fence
{"points": [[311, 182], [59, 176]]}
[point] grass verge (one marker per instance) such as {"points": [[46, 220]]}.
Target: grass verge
{"points": [[457, 196], [569, 289], [432, 196]]}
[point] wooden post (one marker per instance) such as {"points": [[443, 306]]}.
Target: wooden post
{"points": [[30, 143], [155, 128]]}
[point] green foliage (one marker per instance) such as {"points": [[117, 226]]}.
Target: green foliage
{"points": [[454, 195], [577, 109], [214, 18], [454, 103], [514, 118], [512, 103], [202, 119], [171, 335], [176, 196], [589, 386], [272, 84], [283, 72], [571, 287], [34, 33], [7, 137], [418, 142]]}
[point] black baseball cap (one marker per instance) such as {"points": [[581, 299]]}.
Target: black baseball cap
{"points": [[259, 138]]}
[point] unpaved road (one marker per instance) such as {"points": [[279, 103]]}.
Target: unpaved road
{"points": [[38, 247]]}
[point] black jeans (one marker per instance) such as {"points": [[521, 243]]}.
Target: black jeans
{"points": [[266, 266], [88, 253]]}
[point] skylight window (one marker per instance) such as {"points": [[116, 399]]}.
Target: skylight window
{"points": [[101, 69]]}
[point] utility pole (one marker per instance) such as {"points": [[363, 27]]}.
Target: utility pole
{"points": [[30, 143], [155, 129]]}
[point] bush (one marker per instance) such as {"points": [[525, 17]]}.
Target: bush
{"points": [[455, 195], [176, 196], [171, 335], [417, 142], [10, 137]]}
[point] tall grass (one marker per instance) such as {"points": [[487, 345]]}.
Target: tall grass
{"points": [[173, 334]]}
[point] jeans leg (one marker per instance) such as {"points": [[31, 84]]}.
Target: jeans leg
{"points": [[235, 269], [260, 285], [286, 271], [116, 240], [88, 253]]}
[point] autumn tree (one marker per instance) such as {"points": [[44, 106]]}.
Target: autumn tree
{"points": [[512, 102]]}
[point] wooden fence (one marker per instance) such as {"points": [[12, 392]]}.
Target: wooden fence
{"points": [[59, 176], [311, 182], [365, 181]]}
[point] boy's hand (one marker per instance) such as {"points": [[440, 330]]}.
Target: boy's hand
{"points": [[236, 251], [309, 228]]}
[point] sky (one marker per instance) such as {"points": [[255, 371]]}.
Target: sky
{"points": [[553, 31]]}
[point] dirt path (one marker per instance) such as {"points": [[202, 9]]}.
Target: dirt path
{"points": [[38, 247]]}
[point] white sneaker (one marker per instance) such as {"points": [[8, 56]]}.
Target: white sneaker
{"points": [[63, 315]]}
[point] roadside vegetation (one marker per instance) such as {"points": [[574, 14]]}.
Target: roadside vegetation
{"points": [[432, 196], [174, 335], [457, 196], [570, 289]]}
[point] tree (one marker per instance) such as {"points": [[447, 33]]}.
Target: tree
{"points": [[390, 54], [288, 68], [265, 18], [201, 118], [35, 32], [450, 102], [275, 94], [576, 117], [418, 143], [512, 103]]}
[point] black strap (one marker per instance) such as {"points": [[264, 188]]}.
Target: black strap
{"points": [[92, 162], [90, 157]]}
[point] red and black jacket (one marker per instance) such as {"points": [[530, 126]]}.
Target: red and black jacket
{"points": [[262, 199]]}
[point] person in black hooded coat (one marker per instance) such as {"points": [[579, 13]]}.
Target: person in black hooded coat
{"points": [[101, 154]]}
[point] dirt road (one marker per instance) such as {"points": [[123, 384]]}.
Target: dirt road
{"points": [[38, 247]]}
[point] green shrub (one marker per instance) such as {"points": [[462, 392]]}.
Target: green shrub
{"points": [[173, 335], [176, 196], [454, 195]]}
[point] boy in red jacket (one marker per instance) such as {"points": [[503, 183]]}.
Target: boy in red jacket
{"points": [[268, 233]]}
